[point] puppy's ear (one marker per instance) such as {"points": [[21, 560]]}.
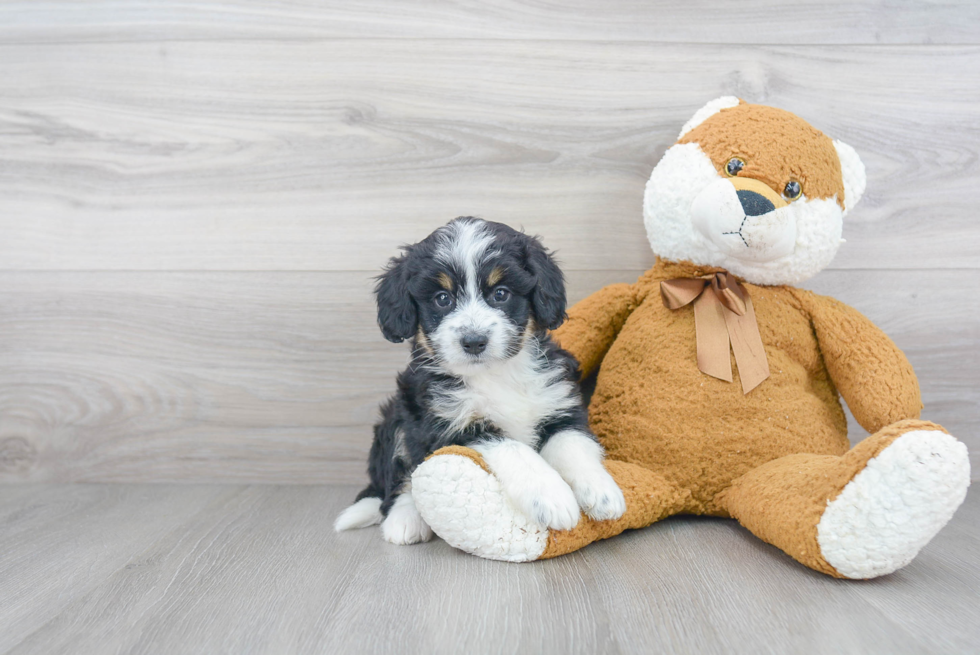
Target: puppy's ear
{"points": [[548, 296], [397, 314]]}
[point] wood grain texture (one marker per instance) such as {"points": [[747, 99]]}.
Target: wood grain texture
{"points": [[57, 544], [259, 570], [276, 377], [319, 155], [717, 21]]}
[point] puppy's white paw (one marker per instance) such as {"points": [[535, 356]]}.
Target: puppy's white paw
{"points": [[548, 500], [599, 496], [577, 457], [404, 525], [534, 487]]}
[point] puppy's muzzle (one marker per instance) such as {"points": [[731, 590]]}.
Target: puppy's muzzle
{"points": [[745, 218]]}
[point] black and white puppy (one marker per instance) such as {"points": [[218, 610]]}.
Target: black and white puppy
{"points": [[477, 298]]}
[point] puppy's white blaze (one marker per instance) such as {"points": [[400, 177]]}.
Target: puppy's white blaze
{"points": [[531, 484], [404, 525], [363, 513], [464, 245], [578, 459], [515, 394]]}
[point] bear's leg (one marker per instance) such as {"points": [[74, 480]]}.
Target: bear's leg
{"points": [[861, 515], [462, 501]]}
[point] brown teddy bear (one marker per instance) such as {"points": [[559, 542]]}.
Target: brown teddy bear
{"points": [[719, 388]]}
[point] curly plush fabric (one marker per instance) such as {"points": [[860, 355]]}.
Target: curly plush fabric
{"points": [[653, 407], [749, 131]]}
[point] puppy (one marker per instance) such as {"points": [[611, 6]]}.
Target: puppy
{"points": [[476, 299]]}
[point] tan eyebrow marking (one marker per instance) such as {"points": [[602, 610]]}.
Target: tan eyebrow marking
{"points": [[445, 282], [495, 276]]}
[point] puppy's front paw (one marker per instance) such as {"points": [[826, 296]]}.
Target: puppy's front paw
{"points": [[550, 502], [404, 526], [599, 496]]}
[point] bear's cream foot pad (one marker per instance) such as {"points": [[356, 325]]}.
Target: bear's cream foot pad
{"points": [[895, 505], [464, 504]]}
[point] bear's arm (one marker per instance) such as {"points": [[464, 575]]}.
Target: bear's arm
{"points": [[594, 323], [872, 374]]}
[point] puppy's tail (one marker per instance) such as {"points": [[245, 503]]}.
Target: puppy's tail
{"points": [[363, 513]]}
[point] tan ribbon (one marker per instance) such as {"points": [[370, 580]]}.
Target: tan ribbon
{"points": [[723, 314]]}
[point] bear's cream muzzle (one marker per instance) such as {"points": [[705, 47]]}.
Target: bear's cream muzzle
{"points": [[744, 218]]}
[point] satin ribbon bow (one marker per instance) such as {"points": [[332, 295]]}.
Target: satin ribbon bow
{"points": [[723, 314]]}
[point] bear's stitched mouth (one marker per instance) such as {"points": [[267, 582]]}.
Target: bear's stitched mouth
{"points": [[744, 223], [753, 204], [739, 232]]}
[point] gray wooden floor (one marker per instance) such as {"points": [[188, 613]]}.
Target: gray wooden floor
{"points": [[257, 569]]}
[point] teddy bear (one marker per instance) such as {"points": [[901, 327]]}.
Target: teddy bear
{"points": [[719, 382]]}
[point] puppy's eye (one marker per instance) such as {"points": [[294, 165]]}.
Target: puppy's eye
{"points": [[443, 299], [501, 294], [793, 190], [733, 166]]}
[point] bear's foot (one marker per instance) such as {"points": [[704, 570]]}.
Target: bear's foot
{"points": [[895, 505], [464, 504]]}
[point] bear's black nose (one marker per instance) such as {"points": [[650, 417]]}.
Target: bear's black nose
{"points": [[474, 343], [754, 204]]}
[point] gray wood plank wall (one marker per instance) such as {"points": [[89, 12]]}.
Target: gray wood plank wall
{"points": [[193, 198]]}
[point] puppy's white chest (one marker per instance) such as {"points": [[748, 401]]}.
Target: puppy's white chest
{"points": [[515, 410], [514, 398]]}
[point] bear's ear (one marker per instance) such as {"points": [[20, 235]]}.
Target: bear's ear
{"points": [[706, 112], [852, 170]]}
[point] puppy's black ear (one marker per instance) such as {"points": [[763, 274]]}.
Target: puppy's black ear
{"points": [[397, 315], [548, 297]]}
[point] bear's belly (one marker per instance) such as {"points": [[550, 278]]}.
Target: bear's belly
{"points": [[653, 407]]}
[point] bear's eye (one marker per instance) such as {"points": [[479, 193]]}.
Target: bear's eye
{"points": [[793, 190], [733, 166]]}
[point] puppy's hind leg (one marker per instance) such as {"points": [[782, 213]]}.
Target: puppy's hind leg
{"points": [[404, 525], [363, 513]]}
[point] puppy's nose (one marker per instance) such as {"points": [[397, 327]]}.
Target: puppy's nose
{"points": [[754, 204], [474, 343]]}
